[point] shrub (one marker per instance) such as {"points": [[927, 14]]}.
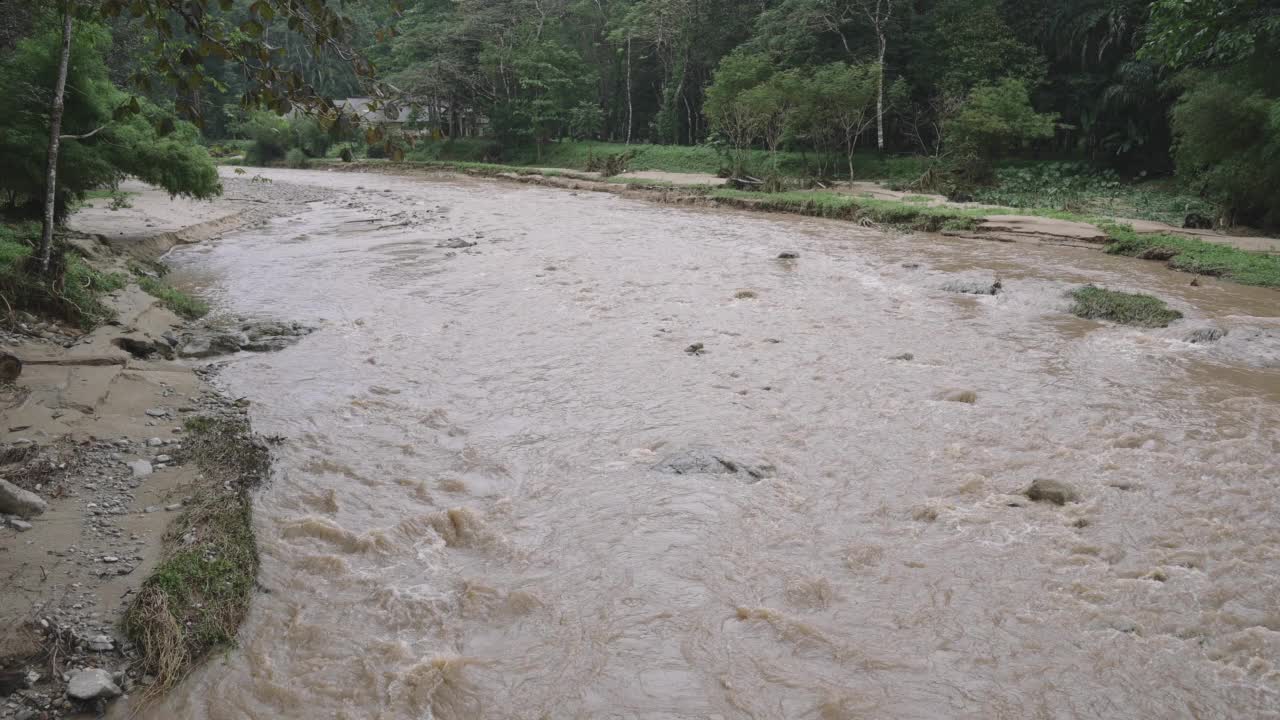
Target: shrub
{"points": [[297, 159], [609, 164], [1228, 143], [268, 136], [307, 135], [994, 120]]}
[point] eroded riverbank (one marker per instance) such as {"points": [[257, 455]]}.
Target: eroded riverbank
{"points": [[107, 431], [468, 519]]}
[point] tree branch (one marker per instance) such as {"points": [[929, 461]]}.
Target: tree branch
{"points": [[85, 136]]}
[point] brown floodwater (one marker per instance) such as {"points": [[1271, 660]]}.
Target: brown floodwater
{"points": [[465, 520]]}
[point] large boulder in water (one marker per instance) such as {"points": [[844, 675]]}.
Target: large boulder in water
{"points": [[1051, 491]]}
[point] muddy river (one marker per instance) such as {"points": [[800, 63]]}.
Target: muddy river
{"points": [[469, 517]]}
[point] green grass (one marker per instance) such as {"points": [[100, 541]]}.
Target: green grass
{"points": [[1197, 256], [846, 207], [1095, 303], [75, 297], [703, 159], [200, 592], [185, 305]]}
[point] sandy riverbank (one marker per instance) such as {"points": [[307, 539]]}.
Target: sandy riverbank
{"points": [[97, 432]]}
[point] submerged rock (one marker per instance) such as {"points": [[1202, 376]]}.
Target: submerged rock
{"points": [[973, 287], [702, 461], [271, 329], [455, 244], [23, 503], [788, 255], [1206, 335], [968, 397], [92, 684], [1051, 491], [273, 344]]}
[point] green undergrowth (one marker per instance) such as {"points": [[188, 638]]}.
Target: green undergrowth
{"points": [[1095, 303], [74, 296], [1196, 256], [184, 304], [703, 159], [1080, 188], [199, 594], [857, 209]]}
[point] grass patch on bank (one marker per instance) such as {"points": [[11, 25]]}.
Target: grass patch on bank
{"points": [[856, 209], [1196, 256], [703, 159], [199, 594], [1095, 303], [184, 304], [74, 296]]}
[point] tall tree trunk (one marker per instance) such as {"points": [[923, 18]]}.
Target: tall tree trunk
{"points": [[880, 96], [630, 101], [55, 138]]}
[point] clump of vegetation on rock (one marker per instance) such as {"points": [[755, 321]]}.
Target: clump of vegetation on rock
{"points": [[1095, 303]]}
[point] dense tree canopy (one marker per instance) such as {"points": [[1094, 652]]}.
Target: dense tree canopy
{"points": [[109, 134], [1136, 85]]}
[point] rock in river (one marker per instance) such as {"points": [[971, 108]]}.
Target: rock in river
{"points": [[1051, 491], [973, 287], [1206, 335], [695, 461], [16, 501], [455, 243], [91, 685], [258, 336], [207, 346]]}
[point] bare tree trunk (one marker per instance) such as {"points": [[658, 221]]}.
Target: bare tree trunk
{"points": [[630, 100], [688, 109], [880, 96], [55, 138]]}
